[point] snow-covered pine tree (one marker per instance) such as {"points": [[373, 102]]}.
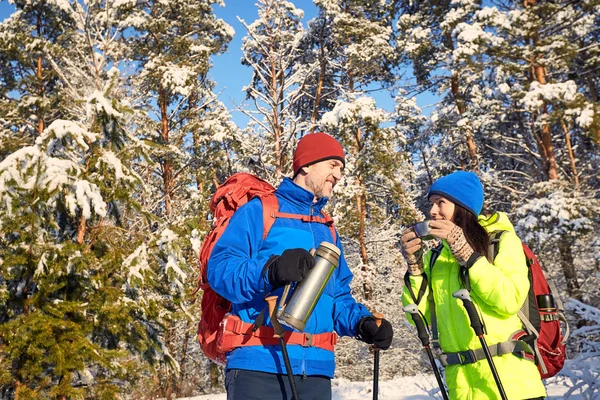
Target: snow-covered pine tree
{"points": [[72, 322], [361, 55], [531, 51], [371, 203], [426, 40], [28, 96], [272, 49], [172, 42]]}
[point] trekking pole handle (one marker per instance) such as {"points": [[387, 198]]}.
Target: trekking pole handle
{"points": [[413, 310], [476, 323], [378, 318], [277, 328]]}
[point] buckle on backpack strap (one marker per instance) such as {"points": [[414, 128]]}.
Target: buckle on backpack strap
{"points": [[467, 357], [308, 340], [548, 317], [235, 325], [458, 358]]}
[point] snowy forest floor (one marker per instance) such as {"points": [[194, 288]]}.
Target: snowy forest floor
{"points": [[418, 387]]}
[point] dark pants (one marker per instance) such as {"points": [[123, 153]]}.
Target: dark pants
{"points": [[247, 385]]}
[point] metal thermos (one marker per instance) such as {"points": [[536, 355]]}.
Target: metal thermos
{"points": [[305, 296], [546, 303]]}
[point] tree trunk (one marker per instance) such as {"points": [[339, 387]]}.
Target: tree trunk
{"points": [[571, 154], [214, 375], [318, 94], [40, 78], [362, 213], [168, 377], [429, 177], [167, 167], [275, 93], [594, 95], [40, 126], [462, 108], [539, 74], [361, 202], [192, 104], [182, 360], [568, 266], [81, 229]]}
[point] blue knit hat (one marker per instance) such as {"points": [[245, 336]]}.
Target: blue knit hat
{"points": [[462, 188]]}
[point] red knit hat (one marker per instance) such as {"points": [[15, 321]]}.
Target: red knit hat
{"points": [[316, 147]]}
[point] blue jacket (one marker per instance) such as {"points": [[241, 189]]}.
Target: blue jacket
{"points": [[235, 272]]}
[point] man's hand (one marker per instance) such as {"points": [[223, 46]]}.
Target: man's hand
{"points": [[291, 266], [368, 331]]}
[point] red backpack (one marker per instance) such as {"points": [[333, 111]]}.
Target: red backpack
{"points": [[236, 191], [541, 316]]}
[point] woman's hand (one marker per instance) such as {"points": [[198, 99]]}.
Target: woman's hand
{"points": [[441, 228], [454, 235], [411, 249]]}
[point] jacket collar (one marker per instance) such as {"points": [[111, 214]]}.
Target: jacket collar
{"points": [[300, 196], [496, 222]]}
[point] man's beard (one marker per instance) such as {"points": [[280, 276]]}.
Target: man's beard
{"points": [[317, 187]]}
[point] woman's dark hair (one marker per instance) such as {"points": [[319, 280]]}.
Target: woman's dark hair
{"points": [[477, 237]]}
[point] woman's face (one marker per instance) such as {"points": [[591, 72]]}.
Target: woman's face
{"points": [[441, 208]]}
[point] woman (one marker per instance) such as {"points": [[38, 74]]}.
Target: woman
{"points": [[498, 288]]}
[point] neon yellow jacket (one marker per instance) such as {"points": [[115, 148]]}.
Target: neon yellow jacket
{"points": [[498, 290]]}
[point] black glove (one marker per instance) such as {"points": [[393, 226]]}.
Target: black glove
{"points": [[368, 331], [291, 266]]}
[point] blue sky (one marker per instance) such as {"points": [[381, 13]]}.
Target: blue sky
{"points": [[231, 76]]}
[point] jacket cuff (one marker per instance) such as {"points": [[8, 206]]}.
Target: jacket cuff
{"points": [[267, 285]]}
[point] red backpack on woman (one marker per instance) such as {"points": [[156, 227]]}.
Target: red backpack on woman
{"points": [[541, 316]]}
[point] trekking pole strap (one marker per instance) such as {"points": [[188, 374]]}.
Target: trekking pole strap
{"points": [[435, 253], [516, 347]]}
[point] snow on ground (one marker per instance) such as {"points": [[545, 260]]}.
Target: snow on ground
{"points": [[420, 387]]}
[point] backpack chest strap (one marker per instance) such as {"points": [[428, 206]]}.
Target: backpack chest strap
{"points": [[325, 220]]}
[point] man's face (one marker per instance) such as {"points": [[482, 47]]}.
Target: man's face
{"points": [[321, 177]]}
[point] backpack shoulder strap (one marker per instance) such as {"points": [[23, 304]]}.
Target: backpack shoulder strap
{"points": [[495, 242], [327, 220], [435, 253], [270, 206]]}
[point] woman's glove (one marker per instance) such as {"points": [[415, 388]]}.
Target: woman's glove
{"points": [[412, 251], [454, 235]]}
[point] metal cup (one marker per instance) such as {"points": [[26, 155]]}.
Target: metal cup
{"points": [[307, 293], [423, 230]]}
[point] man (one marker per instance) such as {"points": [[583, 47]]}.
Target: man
{"points": [[244, 269]]}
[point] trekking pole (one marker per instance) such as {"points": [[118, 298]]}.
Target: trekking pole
{"points": [[279, 333], [413, 310], [477, 326], [378, 317]]}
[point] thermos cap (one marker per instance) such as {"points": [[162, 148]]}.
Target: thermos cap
{"points": [[332, 247]]}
